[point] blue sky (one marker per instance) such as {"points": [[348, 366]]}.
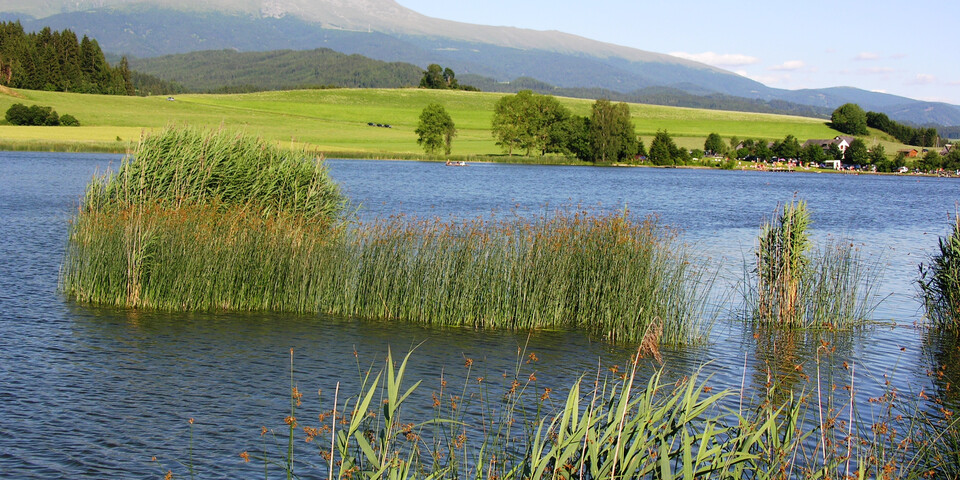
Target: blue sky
{"points": [[904, 48]]}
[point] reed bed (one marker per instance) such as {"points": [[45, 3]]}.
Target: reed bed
{"points": [[940, 282], [603, 274], [188, 166], [832, 288], [610, 425], [200, 220]]}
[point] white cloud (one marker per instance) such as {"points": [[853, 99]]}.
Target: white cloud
{"points": [[876, 71], [867, 56], [788, 66], [719, 59], [923, 79]]}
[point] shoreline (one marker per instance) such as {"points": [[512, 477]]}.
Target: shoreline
{"points": [[123, 148]]}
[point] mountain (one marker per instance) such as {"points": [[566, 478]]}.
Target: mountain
{"points": [[274, 70], [233, 71], [387, 31]]}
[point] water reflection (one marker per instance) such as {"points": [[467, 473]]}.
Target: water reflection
{"points": [[97, 391]]}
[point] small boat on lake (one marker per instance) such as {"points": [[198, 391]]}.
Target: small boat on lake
{"points": [[461, 163]]}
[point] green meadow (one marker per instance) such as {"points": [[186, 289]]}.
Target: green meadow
{"points": [[335, 121]]}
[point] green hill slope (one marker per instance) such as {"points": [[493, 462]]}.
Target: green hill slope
{"points": [[337, 120]]}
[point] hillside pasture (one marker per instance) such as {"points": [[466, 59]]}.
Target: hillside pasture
{"points": [[337, 120]]}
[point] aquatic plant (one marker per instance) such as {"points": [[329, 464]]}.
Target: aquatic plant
{"points": [[216, 221], [613, 426], [189, 166], [781, 264], [940, 281], [603, 274], [832, 288]]}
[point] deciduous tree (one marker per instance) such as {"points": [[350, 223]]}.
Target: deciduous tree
{"points": [[849, 118], [856, 153], [613, 134], [436, 129], [714, 144], [813, 153]]}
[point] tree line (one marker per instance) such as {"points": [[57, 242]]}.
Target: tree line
{"points": [[539, 124], [37, 115], [58, 61], [535, 125], [849, 118]]}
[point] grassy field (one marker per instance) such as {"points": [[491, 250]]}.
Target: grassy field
{"points": [[336, 120]]}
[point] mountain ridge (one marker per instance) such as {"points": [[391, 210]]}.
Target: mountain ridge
{"points": [[384, 30]]}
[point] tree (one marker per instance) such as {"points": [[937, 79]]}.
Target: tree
{"points": [[834, 152], [714, 144], [439, 78], [532, 122], [849, 118], [662, 149], [813, 153], [762, 151], [788, 148], [436, 129], [579, 143], [877, 155], [614, 137], [450, 79], [856, 153], [433, 77], [18, 114], [69, 121], [641, 148], [931, 161]]}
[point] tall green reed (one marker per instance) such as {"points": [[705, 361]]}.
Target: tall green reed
{"points": [[201, 220], [605, 274], [781, 261], [831, 288], [191, 166], [940, 281]]}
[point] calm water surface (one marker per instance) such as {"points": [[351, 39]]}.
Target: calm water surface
{"points": [[90, 392]]}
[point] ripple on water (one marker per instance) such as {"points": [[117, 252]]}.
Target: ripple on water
{"points": [[95, 392]]}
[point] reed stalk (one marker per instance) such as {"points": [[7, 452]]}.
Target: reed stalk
{"points": [[830, 288], [620, 427], [940, 282], [603, 274]]}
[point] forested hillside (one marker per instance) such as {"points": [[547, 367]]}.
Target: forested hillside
{"points": [[230, 70], [58, 61]]}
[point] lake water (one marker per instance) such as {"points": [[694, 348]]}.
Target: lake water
{"points": [[95, 393]]}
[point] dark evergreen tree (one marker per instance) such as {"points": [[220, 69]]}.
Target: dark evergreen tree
{"points": [[662, 149], [56, 60]]}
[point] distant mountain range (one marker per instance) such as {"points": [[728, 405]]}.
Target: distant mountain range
{"points": [[386, 31]]}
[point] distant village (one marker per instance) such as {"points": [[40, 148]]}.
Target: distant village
{"points": [[834, 156]]}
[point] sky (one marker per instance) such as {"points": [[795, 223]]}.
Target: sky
{"points": [[897, 47]]}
